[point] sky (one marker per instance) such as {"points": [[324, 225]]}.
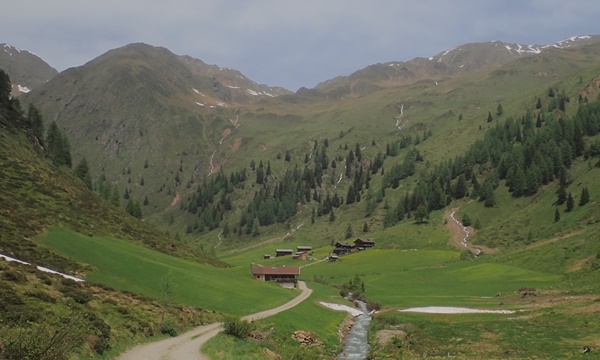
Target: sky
{"points": [[287, 43]]}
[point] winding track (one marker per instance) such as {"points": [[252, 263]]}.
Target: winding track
{"points": [[187, 346]]}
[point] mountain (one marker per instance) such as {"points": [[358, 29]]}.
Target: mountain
{"points": [[463, 59], [511, 148], [123, 109], [26, 70], [155, 125]]}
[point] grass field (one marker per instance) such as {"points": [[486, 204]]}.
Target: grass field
{"points": [[125, 266]]}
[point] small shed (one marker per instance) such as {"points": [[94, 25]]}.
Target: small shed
{"points": [[362, 244], [333, 258], [283, 252], [266, 256], [300, 256], [306, 249]]}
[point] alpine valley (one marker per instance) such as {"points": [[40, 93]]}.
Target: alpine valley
{"points": [[474, 171]]}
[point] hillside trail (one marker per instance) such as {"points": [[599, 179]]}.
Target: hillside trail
{"points": [[187, 346]]}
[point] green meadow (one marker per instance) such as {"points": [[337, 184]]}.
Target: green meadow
{"points": [[122, 265], [400, 278]]}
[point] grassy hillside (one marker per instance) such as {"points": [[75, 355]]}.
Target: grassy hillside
{"points": [[86, 318]]}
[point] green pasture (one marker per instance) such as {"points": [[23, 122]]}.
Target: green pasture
{"points": [[125, 266], [307, 316], [540, 334], [398, 278]]}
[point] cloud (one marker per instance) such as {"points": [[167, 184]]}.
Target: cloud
{"points": [[287, 43]]}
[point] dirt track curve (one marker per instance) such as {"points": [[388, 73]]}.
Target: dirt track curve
{"points": [[187, 346]]}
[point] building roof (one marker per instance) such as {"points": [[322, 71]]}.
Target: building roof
{"points": [[364, 241], [285, 250], [265, 270], [344, 244], [304, 247]]}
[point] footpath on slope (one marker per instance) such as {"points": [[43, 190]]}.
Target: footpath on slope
{"points": [[187, 346]]}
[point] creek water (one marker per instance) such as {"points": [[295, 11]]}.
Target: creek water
{"points": [[356, 346]]}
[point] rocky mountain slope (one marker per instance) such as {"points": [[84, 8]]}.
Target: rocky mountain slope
{"points": [[26, 70], [464, 59]]}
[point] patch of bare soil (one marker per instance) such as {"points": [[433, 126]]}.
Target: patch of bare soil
{"points": [[175, 200], [384, 336], [578, 265], [235, 145], [553, 240]]}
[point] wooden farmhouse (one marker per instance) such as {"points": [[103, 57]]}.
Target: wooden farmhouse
{"points": [[285, 276], [283, 252], [343, 248], [363, 244]]}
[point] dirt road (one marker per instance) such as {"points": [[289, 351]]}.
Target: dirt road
{"points": [[187, 346]]}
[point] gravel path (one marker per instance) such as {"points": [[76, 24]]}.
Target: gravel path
{"points": [[187, 346]]}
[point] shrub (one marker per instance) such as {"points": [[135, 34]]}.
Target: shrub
{"points": [[14, 276], [168, 327], [42, 295], [237, 327]]}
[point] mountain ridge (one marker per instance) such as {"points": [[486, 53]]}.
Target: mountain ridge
{"points": [[26, 70]]}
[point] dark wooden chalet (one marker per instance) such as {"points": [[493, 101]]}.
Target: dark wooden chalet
{"points": [[362, 244], [342, 248], [283, 252]]}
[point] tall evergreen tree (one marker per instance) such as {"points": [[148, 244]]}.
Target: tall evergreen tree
{"points": [[35, 119], [5, 88], [570, 203], [585, 196], [556, 215], [82, 171], [499, 110]]}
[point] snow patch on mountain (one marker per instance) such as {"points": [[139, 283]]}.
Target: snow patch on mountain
{"points": [[23, 89]]}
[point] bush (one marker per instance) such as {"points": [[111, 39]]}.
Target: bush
{"points": [[14, 276], [78, 295], [168, 327], [237, 327], [42, 295]]}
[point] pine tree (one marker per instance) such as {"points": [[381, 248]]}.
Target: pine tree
{"points": [[499, 110], [538, 104], [35, 119], [466, 220], [556, 215], [365, 227], [349, 232], [490, 118], [570, 203], [115, 197], [82, 171], [585, 196], [5, 88], [331, 216]]}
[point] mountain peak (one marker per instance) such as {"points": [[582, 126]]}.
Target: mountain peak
{"points": [[25, 69]]}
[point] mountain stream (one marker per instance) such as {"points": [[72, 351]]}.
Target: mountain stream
{"points": [[356, 345]]}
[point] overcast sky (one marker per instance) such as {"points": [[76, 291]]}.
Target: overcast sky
{"points": [[287, 43]]}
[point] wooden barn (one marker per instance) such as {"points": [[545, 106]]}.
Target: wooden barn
{"points": [[363, 244], [285, 276], [283, 252]]}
